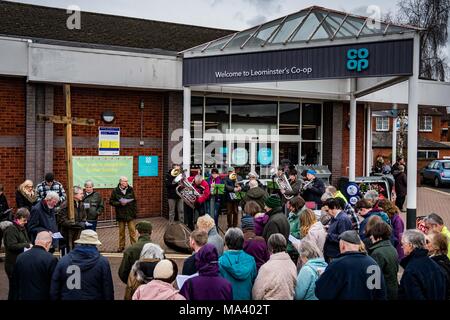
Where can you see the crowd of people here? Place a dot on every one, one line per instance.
(303, 242)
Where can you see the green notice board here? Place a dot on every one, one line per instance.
(103, 171)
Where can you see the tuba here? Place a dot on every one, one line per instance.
(186, 191)
(283, 184)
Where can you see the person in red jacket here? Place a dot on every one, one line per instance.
(202, 187)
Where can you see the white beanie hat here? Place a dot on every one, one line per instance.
(163, 270)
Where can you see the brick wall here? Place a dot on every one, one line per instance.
(90, 103)
(12, 132)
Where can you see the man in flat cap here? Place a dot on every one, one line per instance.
(132, 253)
(352, 275)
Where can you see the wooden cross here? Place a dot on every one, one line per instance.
(68, 120)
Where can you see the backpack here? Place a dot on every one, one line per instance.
(176, 237)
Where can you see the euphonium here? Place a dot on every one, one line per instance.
(175, 172)
(186, 191)
(283, 184)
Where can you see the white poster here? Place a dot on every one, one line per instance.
(108, 141)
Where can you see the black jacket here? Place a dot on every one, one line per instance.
(346, 278)
(127, 212)
(93, 205)
(278, 223)
(422, 278)
(314, 191)
(3, 204)
(24, 202)
(400, 184)
(259, 195)
(229, 189)
(170, 187)
(16, 240)
(444, 263)
(189, 267)
(33, 274)
(41, 219)
(95, 276)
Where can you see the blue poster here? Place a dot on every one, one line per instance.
(265, 156)
(148, 166)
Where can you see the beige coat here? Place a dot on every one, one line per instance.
(317, 235)
(276, 279)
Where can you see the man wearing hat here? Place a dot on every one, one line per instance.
(353, 275)
(83, 273)
(314, 189)
(132, 253)
(278, 222)
(232, 192)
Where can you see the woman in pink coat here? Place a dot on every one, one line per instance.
(161, 287)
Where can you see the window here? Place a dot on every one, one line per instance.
(428, 154)
(382, 123)
(426, 123)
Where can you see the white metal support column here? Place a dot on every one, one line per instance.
(413, 111)
(187, 129)
(368, 140)
(394, 135)
(352, 148)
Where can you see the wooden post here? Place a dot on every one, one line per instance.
(68, 138)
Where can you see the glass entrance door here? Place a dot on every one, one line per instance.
(252, 156)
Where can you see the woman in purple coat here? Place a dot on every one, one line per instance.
(208, 285)
(397, 224)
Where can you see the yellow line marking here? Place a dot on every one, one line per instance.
(438, 191)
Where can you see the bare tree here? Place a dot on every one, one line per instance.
(433, 16)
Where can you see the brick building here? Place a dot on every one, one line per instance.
(32, 40)
(122, 64)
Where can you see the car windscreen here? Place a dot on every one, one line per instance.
(446, 165)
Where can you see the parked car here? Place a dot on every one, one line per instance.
(437, 172)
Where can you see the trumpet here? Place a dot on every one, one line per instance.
(306, 185)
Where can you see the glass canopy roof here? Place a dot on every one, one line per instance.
(308, 25)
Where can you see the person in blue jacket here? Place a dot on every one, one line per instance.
(83, 274)
(422, 278)
(339, 223)
(313, 265)
(238, 267)
(352, 275)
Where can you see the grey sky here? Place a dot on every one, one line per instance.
(226, 14)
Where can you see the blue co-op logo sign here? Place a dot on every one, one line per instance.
(357, 59)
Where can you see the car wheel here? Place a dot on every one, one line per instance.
(436, 182)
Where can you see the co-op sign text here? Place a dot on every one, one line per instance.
(373, 59)
(258, 73)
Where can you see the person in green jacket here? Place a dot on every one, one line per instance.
(294, 206)
(93, 204)
(124, 200)
(336, 193)
(386, 256)
(16, 241)
(133, 253)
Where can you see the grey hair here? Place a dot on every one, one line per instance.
(22, 213)
(309, 250)
(327, 195)
(89, 182)
(152, 251)
(234, 239)
(77, 189)
(252, 184)
(434, 218)
(276, 243)
(414, 238)
(123, 178)
(371, 195)
(52, 195)
(198, 178)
